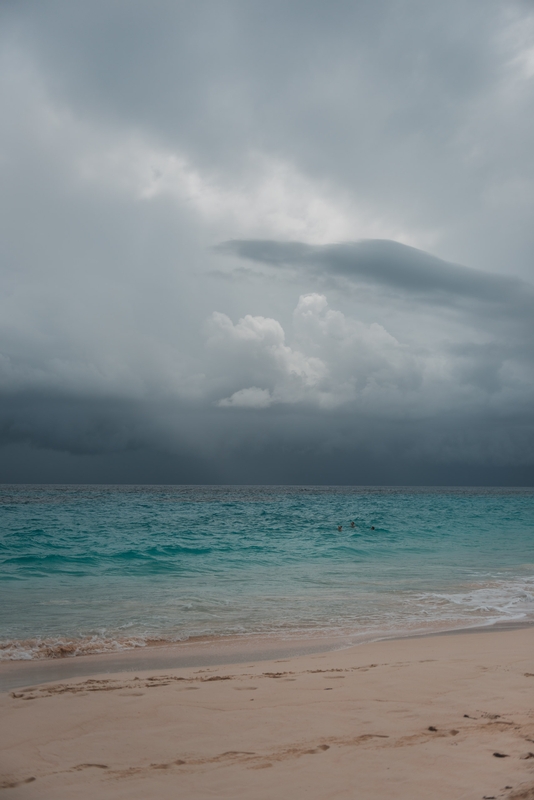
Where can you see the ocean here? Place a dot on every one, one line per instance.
(94, 569)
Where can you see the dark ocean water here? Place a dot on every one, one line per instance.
(99, 568)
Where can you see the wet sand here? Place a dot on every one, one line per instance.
(430, 717)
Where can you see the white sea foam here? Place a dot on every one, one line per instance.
(499, 601)
(65, 647)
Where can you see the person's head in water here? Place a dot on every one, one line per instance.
(372, 527)
(352, 524)
(340, 527)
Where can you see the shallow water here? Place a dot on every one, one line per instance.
(97, 568)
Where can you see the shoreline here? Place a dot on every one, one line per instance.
(205, 652)
(440, 716)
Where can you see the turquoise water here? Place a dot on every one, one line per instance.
(98, 568)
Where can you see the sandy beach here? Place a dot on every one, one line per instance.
(433, 717)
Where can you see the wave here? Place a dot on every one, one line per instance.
(498, 601)
(66, 647)
(352, 616)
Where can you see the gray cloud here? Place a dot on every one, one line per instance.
(333, 148)
(74, 442)
(419, 113)
(390, 264)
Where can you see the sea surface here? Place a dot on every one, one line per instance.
(87, 569)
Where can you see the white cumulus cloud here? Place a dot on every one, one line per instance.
(331, 359)
(247, 398)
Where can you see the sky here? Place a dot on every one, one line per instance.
(284, 242)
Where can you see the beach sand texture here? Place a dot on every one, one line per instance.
(436, 717)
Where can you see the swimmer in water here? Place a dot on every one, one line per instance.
(352, 524)
(340, 527)
(372, 527)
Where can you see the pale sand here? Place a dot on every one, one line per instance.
(355, 724)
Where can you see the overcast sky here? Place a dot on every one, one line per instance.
(267, 242)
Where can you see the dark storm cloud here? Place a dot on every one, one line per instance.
(390, 264)
(282, 446)
(136, 135)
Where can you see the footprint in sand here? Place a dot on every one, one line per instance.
(14, 784)
(89, 766)
(320, 749)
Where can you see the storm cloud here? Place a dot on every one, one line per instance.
(284, 242)
(389, 263)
